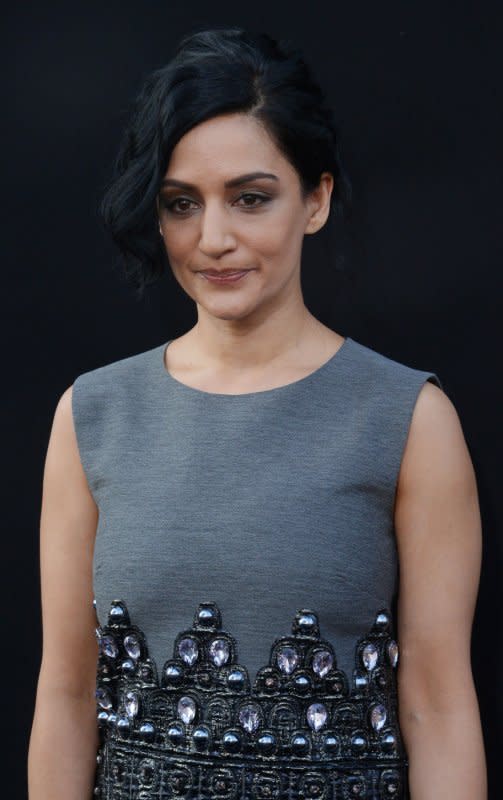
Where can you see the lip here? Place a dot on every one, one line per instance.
(224, 276)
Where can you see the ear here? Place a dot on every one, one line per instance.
(319, 203)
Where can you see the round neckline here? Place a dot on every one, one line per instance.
(300, 383)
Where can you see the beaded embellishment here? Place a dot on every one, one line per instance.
(304, 731)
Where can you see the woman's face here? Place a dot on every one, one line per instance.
(215, 215)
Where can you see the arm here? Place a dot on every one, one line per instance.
(64, 735)
(438, 529)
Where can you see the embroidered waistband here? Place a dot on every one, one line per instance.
(304, 730)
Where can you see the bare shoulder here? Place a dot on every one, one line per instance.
(436, 447)
(63, 457)
(62, 431)
(62, 424)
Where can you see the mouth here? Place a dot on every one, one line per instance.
(224, 275)
(228, 271)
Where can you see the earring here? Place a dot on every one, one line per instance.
(160, 229)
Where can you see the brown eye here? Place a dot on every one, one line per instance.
(181, 205)
(171, 205)
(253, 196)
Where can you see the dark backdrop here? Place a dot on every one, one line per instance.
(417, 92)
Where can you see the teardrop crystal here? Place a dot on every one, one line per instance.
(378, 716)
(186, 709)
(188, 650)
(131, 704)
(219, 651)
(103, 697)
(132, 646)
(316, 716)
(109, 646)
(287, 659)
(323, 662)
(249, 717)
(393, 653)
(369, 656)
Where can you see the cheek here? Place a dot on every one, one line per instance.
(179, 242)
(275, 236)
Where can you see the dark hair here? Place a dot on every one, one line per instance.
(214, 72)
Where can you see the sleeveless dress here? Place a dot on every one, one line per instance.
(245, 579)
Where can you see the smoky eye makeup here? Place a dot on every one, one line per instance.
(180, 205)
(170, 203)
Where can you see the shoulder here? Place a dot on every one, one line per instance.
(62, 431)
(436, 459)
(100, 392)
(387, 374)
(128, 367)
(436, 426)
(63, 465)
(102, 401)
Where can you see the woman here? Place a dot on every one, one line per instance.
(237, 501)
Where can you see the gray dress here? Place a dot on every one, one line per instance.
(245, 577)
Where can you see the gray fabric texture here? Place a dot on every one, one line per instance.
(265, 502)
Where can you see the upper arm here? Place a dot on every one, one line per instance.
(439, 542)
(68, 523)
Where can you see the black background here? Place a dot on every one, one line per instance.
(416, 89)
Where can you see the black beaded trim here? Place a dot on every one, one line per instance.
(303, 731)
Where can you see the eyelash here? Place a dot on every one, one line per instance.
(169, 205)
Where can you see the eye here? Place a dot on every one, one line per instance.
(262, 198)
(181, 205)
(170, 205)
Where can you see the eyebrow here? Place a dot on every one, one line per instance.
(250, 176)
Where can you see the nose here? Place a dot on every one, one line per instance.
(216, 235)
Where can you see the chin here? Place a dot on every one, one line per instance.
(228, 311)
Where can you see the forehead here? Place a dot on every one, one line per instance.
(225, 146)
